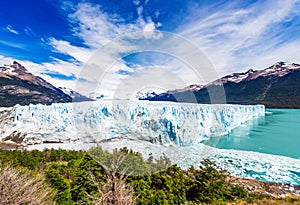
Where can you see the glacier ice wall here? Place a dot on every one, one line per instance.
(157, 122)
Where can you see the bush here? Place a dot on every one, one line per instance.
(17, 186)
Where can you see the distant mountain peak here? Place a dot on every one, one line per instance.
(279, 66)
(76, 97)
(144, 94)
(13, 69)
(19, 71)
(18, 67)
(278, 69)
(285, 64)
(18, 86)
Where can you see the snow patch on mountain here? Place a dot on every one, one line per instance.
(145, 94)
(14, 69)
(76, 97)
(279, 69)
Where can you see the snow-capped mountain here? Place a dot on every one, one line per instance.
(145, 94)
(276, 86)
(18, 86)
(76, 97)
(279, 69)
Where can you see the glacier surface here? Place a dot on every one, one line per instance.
(164, 123)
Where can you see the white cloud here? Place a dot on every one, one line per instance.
(136, 2)
(149, 30)
(235, 38)
(10, 29)
(29, 31)
(5, 60)
(288, 52)
(152, 76)
(97, 28)
(157, 13)
(176, 63)
(79, 53)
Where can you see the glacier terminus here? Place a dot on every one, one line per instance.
(165, 123)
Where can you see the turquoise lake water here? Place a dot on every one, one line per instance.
(278, 133)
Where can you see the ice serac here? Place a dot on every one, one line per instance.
(101, 121)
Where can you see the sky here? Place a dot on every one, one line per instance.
(118, 47)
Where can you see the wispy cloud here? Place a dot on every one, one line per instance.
(10, 29)
(29, 31)
(97, 28)
(136, 2)
(5, 60)
(236, 37)
(13, 44)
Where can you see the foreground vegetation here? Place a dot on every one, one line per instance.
(122, 177)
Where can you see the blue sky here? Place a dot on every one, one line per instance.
(55, 38)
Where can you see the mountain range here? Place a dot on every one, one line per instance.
(275, 87)
(18, 86)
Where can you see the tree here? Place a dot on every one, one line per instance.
(208, 184)
(57, 181)
(82, 188)
(17, 186)
(115, 191)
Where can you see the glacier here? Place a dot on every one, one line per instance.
(156, 128)
(165, 123)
